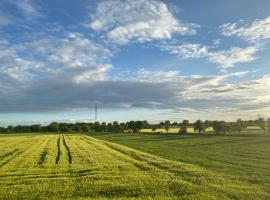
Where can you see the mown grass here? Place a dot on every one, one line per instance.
(244, 157)
(89, 168)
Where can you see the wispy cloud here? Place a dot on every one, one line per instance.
(223, 58)
(187, 50)
(233, 56)
(258, 30)
(137, 20)
(26, 7)
(5, 19)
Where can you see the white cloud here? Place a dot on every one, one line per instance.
(94, 74)
(224, 58)
(156, 76)
(137, 20)
(256, 31)
(77, 51)
(14, 66)
(73, 57)
(188, 50)
(233, 56)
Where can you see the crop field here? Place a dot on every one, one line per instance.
(244, 156)
(174, 130)
(208, 130)
(74, 166)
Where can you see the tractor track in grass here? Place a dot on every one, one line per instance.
(42, 157)
(12, 155)
(68, 150)
(8, 153)
(43, 154)
(106, 169)
(100, 147)
(178, 170)
(58, 151)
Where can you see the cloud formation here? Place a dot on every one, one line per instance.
(258, 30)
(137, 20)
(223, 58)
(47, 67)
(73, 57)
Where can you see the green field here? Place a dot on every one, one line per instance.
(77, 166)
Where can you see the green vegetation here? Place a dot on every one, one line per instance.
(56, 166)
(184, 127)
(244, 157)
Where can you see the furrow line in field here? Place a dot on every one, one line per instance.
(180, 170)
(139, 164)
(58, 151)
(17, 153)
(44, 153)
(10, 145)
(68, 150)
(42, 157)
(10, 153)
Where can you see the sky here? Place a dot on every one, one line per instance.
(149, 60)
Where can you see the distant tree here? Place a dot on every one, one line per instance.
(123, 127)
(208, 123)
(10, 129)
(237, 127)
(184, 127)
(241, 122)
(77, 128)
(175, 124)
(219, 126)
(262, 124)
(167, 125)
(227, 127)
(154, 128)
(109, 127)
(199, 126)
(97, 127)
(103, 126)
(145, 124)
(132, 126)
(138, 126)
(36, 128)
(85, 128)
(53, 127)
(161, 125)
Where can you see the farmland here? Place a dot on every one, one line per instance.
(76, 166)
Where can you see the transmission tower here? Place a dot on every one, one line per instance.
(96, 113)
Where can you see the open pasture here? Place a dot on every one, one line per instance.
(82, 167)
(244, 156)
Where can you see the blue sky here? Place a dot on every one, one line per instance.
(137, 59)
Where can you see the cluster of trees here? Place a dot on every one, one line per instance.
(218, 126)
(134, 126)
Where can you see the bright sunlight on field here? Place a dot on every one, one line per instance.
(78, 166)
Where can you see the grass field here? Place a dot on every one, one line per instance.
(83, 167)
(244, 157)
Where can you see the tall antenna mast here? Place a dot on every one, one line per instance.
(96, 113)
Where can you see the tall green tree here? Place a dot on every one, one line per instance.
(184, 127)
(167, 125)
(199, 126)
(219, 126)
(53, 127)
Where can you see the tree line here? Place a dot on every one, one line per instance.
(199, 126)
